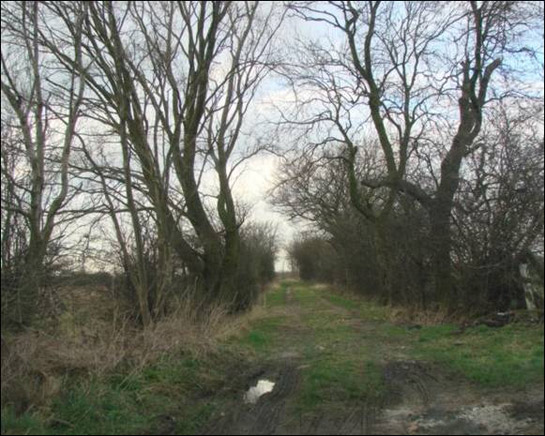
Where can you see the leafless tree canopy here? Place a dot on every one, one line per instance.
(413, 143)
(412, 97)
(151, 96)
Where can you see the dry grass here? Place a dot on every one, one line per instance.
(399, 314)
(93, 338)
(413, 315)
(35, 362)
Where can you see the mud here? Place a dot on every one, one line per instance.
(423, 400)
(419, 398)
(268, 413)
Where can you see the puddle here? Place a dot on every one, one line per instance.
(477, 420)
(262, 387)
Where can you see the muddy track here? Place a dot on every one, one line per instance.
(424, 399)
(418, 397)
(268, 413)
(409, 381)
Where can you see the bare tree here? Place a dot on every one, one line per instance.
(498, 213)
(45, 121)
(174, 81)
(419, 73)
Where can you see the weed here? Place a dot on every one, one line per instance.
(26, 423)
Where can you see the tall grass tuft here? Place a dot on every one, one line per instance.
(36, 363)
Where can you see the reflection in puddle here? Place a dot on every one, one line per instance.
(262, 387)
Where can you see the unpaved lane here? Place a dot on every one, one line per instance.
(338, 371)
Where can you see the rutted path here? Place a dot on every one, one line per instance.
(342, 368)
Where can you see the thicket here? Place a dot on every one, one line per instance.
(418, 137)
(497, 225)
(124, 124)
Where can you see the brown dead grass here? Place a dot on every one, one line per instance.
(92, 337)
(35, 362)
(404, 315)
(400, 315)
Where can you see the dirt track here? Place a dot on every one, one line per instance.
(414, 396)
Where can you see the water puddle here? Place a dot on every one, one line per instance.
(262, 387)
(477, 420)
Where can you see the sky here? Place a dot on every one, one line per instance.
(256, 179)
(254, 183)
(254, 186)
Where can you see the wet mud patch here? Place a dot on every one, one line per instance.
(268, 412)
(422, 399)
(341, 419)
(477, 419)
(533, 410)
(410, 382)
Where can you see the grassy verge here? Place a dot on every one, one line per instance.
(117, 379)
(179, 391)
(511, 356)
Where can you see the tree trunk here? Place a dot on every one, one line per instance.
(441, 263)
(440, 214)
(383, 263)
(32, 278)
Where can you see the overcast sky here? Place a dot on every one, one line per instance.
(256, 179)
